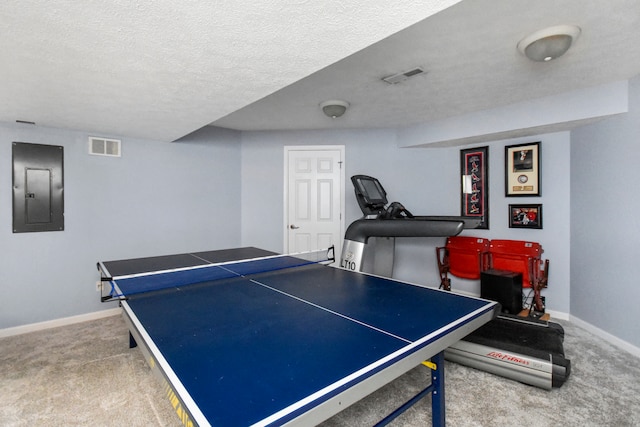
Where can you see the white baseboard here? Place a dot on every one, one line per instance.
(611, 339)
(33, 327)
(558, 315)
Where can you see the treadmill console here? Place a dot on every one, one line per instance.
(370, 194)
(372, 199)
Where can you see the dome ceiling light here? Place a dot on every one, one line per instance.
(549, 43)
(334, 108)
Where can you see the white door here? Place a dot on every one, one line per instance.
(314, 199)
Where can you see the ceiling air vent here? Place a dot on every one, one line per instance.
(104, 147)
(400, 77)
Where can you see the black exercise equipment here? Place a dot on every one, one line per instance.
(526, 350)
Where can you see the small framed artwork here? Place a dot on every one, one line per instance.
(474, 194)
(522, 170)
(525, 216)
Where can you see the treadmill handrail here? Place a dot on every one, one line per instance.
(360, 230)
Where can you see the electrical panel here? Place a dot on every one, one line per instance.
(38, 187)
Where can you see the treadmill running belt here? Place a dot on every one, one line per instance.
(536, 340)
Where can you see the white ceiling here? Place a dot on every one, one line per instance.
(163, 69)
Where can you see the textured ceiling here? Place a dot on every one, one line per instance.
(472, 63)
(163, 69)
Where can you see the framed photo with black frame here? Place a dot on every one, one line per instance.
(474, 194)
(522, 170)
(525, 216)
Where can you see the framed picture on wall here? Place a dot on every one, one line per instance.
(522, 170)
(525, 216)
(474, 194)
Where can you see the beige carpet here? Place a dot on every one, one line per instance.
(85, 375)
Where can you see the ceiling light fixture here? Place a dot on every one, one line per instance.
(334, 108)
(549, 43)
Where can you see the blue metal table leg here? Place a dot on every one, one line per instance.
(437, 394)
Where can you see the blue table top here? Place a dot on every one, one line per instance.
(246, 348)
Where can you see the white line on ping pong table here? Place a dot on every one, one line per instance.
(331, 311)
(210, 264)
(189, 268)
(345, 380)
(318, 306)
(202, 259)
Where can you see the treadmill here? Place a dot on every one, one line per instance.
(385, 223)
(523, 349)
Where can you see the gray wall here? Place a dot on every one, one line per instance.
(158, 198)
(605, 226)
(426, 181)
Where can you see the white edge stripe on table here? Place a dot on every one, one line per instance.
(361, 372)
(172, 378)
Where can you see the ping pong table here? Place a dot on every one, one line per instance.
(247, 337)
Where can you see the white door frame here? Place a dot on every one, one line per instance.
(285, 225)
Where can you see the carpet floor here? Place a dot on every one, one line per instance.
(85, 374)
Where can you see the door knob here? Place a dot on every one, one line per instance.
(293, 227)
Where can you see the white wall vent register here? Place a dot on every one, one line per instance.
(104, 147)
